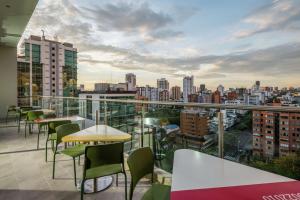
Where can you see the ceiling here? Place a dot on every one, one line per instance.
(14, 16)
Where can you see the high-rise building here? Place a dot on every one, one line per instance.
(275, 133)
(81, 88)
(194, 122)
(151, 93)
(216, 97)
(48, 68)
(202, 88)
(164, 95)
(188, 85)
(265, 133)
(205, 97)
(232, 95)
(162, 84)
(221, 89)
(175, 93)
(193, 98)
(101, 87)
(130, 79)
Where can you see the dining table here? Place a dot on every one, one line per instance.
(201, 176)
(49, 120)
(94, 135)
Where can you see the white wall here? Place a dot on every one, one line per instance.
(8, 78)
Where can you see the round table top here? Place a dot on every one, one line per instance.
(98, 133)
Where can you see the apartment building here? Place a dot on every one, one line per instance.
(188, 87)
(176, 93)
(275, 134)
(163, 84)
(265, 133)
(194, 122)
(164, 95)
(47, 68)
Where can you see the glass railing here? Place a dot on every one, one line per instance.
(265, 137)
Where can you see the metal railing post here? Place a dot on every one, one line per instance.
(220, 134)
(105, 112)
(97, 117)
(67, 107)
(142, 125)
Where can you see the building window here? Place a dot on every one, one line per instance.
(53, 60)
(53, 48)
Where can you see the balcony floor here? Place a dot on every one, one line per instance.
(26, 175)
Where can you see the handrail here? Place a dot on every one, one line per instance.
(183, 104)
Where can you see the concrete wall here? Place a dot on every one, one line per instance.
(8, 78)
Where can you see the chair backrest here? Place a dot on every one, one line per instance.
(140, 163)
(52, 125)
(11, 108)
(104, 154)
(64, 130)
(33, 115)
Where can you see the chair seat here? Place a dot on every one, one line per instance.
(74, 151)
(158, 192)
(53, 136)
(104, 170)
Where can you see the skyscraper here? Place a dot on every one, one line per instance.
(162, 84)
(48, 68)
(175, 93)
(220, 88)
(188, 85)
(202, 88)
(130, 79)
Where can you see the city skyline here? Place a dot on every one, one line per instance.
(257, 41)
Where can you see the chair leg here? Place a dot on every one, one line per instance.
(82, 189)
(25, 128)
(38, 137)
(46, 150)
(117, 180)
(53, 172)
(125, 185)
(74, 171)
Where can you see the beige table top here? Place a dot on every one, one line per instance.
(71, 118)
(98, 133)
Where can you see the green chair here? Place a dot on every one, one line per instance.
(51, 134)
(74, 151)
(30, 120)
(11, 111)
(141, 163)
(22, 114)
(103, 160)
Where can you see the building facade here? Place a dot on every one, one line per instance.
(194, 122)
(188, 85)
(176, 93)
(48, 68)
(130, 79)
(162, 84)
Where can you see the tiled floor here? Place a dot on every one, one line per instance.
(26, 175)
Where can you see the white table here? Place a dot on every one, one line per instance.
(193, 170)
(98, 133)
(49, 120)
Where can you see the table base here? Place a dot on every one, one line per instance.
(101, 184)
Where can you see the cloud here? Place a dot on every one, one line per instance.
(282, 60)
(127, 17)
(274, 16)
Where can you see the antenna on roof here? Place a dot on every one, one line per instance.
(43, 36)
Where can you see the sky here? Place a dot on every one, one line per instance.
(230, 42)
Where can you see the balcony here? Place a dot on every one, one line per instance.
(154, 124)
